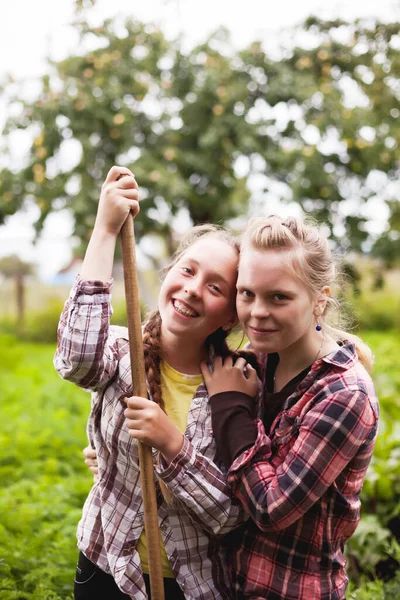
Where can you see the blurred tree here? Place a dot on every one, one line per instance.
(328, 120)
(387, 246)
(14, 268)
(321, 120)
(120, 104)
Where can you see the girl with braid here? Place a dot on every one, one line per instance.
(196, 311)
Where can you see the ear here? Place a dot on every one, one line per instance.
(321, 301)
(231, 323)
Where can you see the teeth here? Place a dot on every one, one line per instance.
(181, 308)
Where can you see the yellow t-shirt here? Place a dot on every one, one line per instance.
(177, 391)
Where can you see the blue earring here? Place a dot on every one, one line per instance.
(318, 327)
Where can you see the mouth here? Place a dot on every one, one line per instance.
(184, 309)
(262, 332)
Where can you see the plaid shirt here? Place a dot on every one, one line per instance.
(301, 483)
(96, 357)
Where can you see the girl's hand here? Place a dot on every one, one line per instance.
(91, 461)
(119, 196)
(149, 424)
(229, 377)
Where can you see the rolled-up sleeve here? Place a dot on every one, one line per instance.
(86, 349)
(332, 433)
(203, 490)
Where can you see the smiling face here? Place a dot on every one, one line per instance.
(275, 308)
(197, 296)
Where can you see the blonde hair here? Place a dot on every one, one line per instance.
(307, 252)
(152, 339)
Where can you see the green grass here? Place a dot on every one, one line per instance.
(44, 481)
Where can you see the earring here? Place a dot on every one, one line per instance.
(318, 327)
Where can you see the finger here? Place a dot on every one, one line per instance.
(251, 375)
(135, 209)
(129, 193)
(133, 424)
(132, 413)
(217, 363)
(126, 182)
(116, 172)
(138, 434)
(89, 452)
(137, 402)
(228, 361)
(205, 371)
(240, 364)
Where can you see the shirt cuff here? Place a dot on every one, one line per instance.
(92, 291)
(262, 445)
(176, 468)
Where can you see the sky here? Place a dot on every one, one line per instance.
(30, 31)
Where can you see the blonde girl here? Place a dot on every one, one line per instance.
(300, 471)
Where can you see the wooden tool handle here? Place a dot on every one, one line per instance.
(140, 389)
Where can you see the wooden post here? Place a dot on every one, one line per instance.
(140, 389)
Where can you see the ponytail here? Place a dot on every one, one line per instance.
(363, 351)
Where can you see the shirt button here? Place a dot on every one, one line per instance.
(197, 401)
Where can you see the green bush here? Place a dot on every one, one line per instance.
(376, 311)
(42, 475)
(371, 297)
(41, 326)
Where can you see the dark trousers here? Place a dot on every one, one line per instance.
(91, 583)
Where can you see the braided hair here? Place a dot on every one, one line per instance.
(152, 342)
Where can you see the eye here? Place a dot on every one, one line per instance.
(187, 270)
(247, 293)
(280, 297)
(215, 288)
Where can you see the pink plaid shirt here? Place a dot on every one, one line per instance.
(95, 356)
(300, 483)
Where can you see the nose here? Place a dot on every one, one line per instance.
(192, 288)
(260, 310)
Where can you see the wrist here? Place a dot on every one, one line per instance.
(102, 234)
(173, 447)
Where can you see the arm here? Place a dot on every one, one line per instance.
(335, 431)
(86, 352)
(188, 471)
(202, 488)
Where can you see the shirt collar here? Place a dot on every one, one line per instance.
(344, 358)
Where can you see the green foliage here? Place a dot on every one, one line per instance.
(181, 120)
(44, 480)
(375, 590)
(41, 325)
(377, 310)
(370, 295)
(42, 476)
